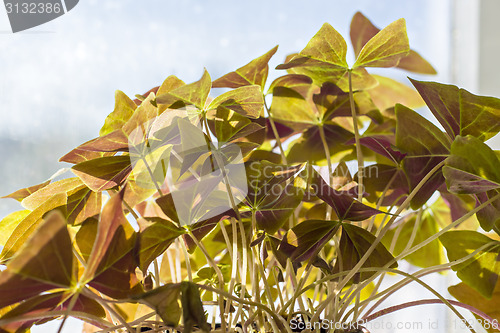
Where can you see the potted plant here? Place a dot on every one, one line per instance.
(239, 213)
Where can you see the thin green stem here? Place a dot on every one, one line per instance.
(330, 166)
(377, 240)
(359, 152)
(275, 133)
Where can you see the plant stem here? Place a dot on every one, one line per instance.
(429, 301)
(212, 264)
(359, 153)
(275, 132)
(330, 167)
(258, 305)
(377, 240)
(108, 307)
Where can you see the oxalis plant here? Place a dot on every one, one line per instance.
(239, 213)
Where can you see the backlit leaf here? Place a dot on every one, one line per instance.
(19, 195)
(389, 92)
(67, 186)
(309, 236)
(459, 111)
(324, 57)
(165, 300)
(27, 275)
(426, 146)
(29, 224)
(247, 101)
(309, 146)
(427, 256)
(468, 295)
(195, 93)
(354, 244)
(104, 173)
(472, 167)
(386, 48)
(255, 72)
(124, 108)
(480, 272)
(362, 30)
(113, 244)
(9, 223)
(155, 237)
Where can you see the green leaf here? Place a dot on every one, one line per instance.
(459, 111)
(229, 126)
(354, 244)
(111, 265)
(66, 186)
(195, 93)
(83, 204)
(192, 308)
(309, 146)
(427, 256)
(342, 202)
(9, 223)
(479, 115)
(104, 173)
(386, 48)
(44, 262)
(271, 193)
(247, 101)
(155, 237)
(389, 92)
(172, 82)
(255, 72)
(144, 115)
(328, 46)
(19, 195)
(415, 63)
(480, 272)
(165, 300)
(472, 167)
(444, 102)
(29, 224)
(426, 146)
(309, 236)
(124, 108)
(291, 102)
(324, 57)
(362, 30)
(469, 296)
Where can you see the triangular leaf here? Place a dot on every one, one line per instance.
(309, 236)
(426, 146)
(472, 167)
(165, 300)
(354, 244)
(247, 101)
(480, 272)
(29, 224)
(324, 57)
(255, 72)
(386, 48)
(195, 93)
(27, 274)
(104, 173)
(124, 108)
(155, 237)
(362, 30)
